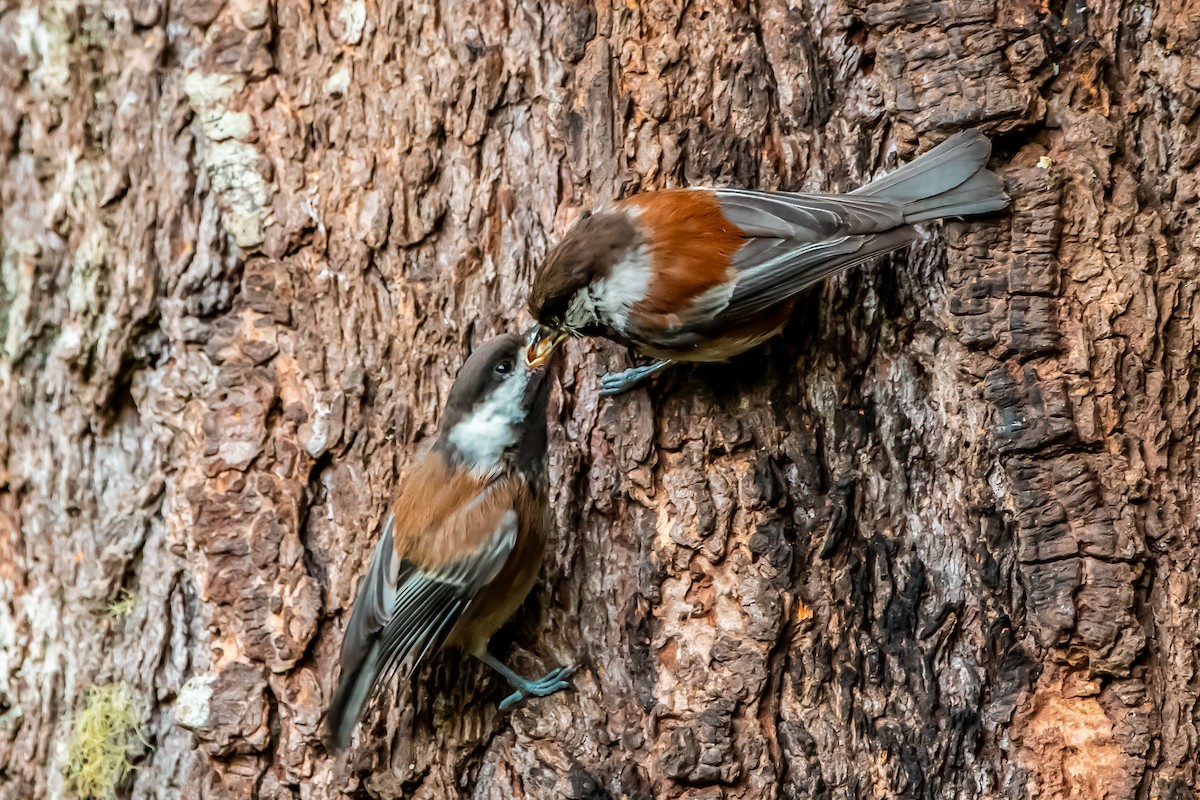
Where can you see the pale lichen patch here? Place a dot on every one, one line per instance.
(16, 295)
(211, 89)
(231, 163)
(84, 293)
(337, 83)
(88, 264)
(230, 125)
(43, 37)
(353, 16)
(192, 704)
(209, 95)
(252, 13)
(233, 169)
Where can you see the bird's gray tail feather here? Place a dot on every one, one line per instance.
(352, 695)
(951, 180)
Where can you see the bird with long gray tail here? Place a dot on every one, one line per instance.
(705, 274)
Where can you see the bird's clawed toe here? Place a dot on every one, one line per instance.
(551, 682)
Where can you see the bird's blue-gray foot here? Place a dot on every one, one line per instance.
(617, 382)
(553, 681)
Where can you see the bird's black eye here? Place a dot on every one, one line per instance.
(504, 367)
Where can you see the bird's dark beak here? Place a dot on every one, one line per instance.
(542, 345)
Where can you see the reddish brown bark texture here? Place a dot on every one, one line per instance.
(941, 539)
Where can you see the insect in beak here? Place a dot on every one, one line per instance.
(542, 345)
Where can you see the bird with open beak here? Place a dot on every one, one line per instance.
(705, 274)
(463, 542)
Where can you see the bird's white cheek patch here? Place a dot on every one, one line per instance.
(581, 313)
(626, 286)
(484, 435)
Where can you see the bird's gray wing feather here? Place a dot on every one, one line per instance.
(404, 612)
(770, 275)
(806, 218)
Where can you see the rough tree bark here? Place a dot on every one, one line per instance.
(939, 540)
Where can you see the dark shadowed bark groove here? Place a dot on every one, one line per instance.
(938, 540)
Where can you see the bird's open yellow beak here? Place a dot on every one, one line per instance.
(542, 345)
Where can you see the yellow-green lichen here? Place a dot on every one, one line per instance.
(104, 740)
(121, 607)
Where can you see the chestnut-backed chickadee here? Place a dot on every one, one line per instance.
(705, 274)
(463, 542)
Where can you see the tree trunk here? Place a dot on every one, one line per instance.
(940, 539)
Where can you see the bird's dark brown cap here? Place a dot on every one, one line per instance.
(586, 253)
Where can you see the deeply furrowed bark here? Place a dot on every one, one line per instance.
(940, 539)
